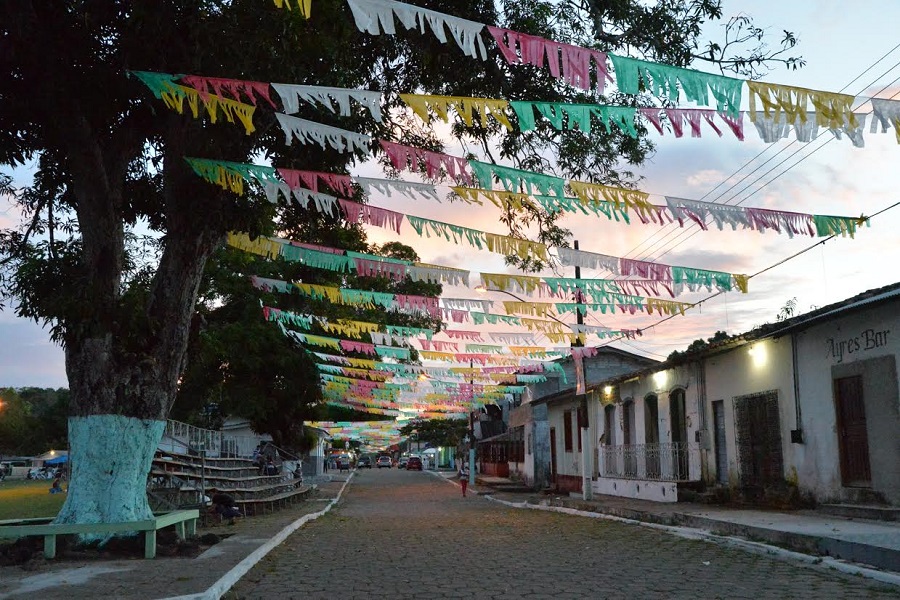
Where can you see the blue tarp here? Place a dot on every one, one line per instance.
(57, 461)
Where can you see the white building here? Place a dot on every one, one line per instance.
(810, 404)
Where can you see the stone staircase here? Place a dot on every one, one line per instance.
(176, 481)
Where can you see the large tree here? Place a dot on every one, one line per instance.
(109, 165)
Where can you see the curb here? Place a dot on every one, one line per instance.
(227, 581)
(819, 562)
(471, 490)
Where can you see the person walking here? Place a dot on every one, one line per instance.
(464, 478)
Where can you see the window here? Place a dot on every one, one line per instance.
(567, 430)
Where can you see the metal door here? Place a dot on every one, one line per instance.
(852, 435)
(721, 449)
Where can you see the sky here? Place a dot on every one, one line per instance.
(843, 48)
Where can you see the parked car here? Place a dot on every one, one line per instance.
(403, 461)
(385, 461)
(343, 463)
(364, 462)
(414, 464)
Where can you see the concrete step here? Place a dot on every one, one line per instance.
(862, 511)
(515, 488)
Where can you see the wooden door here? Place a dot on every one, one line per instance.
(651, 436)
(853, 437)
(721, 449)
(552, 455)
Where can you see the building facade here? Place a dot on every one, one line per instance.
(810, 404)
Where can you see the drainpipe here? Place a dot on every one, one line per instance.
(796, 434)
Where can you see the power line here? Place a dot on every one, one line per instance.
(769, 268)
(680, 232)
(693, 230)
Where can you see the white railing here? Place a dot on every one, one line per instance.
(196, 438)
(239, 446)
(652, 462)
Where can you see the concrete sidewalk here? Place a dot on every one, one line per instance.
(196, 578)
(872, 543)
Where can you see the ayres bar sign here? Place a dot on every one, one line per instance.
(867, 340)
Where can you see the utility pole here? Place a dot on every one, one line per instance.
(587, 451)
(471, 422)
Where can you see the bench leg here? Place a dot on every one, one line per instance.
(50, 546)
(179, 530)
(192, 527)
(150, 543)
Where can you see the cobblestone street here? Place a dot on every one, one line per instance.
(399, 534)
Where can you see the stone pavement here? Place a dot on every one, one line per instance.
(405, 534)
(401, 534)
(874, 543)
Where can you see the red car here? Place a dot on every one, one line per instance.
(414, 464)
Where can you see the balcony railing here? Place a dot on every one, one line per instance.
(652, 462)
(195, 438)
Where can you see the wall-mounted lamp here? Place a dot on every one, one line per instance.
(607, 391)
(660, 378)
(759, 355)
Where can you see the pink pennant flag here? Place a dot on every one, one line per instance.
(317, 248)
(354, 346)
(583, 351)
(355, 212)
(459, 334)
(503, 369)
(380, 268)
(459, 316)
(407, 157)
(652, 115)
(576, 61)
(629, 308)
(640, 268)
(216, 86)
(341, 184)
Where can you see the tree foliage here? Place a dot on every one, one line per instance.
(117, 229)
(699, 345)
(32, 420)
(436, 432)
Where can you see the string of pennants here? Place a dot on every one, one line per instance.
(598, 199)
(612, 202)
(603, 296)
(783, 107)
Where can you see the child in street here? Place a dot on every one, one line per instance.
(464, 478)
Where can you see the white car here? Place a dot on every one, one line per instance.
(384, 461)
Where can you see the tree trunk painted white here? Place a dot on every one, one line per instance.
(109, 461)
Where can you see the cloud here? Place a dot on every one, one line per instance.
(28, 357)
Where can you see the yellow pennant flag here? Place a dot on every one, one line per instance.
(833, 110)
(303, 6)
(535, 309)
(464, 106)
(666, 307)
(261, 245)
(592, 193)
(501, 281)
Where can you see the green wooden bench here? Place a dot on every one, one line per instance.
(185, 522)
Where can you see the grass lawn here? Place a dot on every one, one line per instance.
(24, 499)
